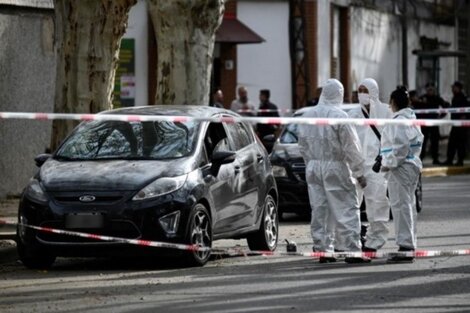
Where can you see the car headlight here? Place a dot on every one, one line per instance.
(34, 191)
(279, 171)
(170, 222)
(160, 187)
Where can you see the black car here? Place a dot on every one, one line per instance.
(181, 182)
(289, 171)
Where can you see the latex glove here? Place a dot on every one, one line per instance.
(362, 181)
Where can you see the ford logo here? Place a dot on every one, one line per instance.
(87, 198)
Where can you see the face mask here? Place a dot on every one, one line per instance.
(364, 98)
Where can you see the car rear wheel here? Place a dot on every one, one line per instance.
(34, 258)
(265, 238)
(200, 234)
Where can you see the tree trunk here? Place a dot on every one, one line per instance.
(185, 31)
(88, 35)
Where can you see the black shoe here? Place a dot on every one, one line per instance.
(402, 259)
(324, 259)
(357, 260)
(367, 249)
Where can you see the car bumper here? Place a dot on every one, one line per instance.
(127, 219)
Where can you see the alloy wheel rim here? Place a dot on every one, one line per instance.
(270, 223)
(200, 234)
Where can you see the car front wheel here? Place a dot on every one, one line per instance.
(34, 258)
(265, 238)
(199, 234)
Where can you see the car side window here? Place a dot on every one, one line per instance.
(216, 139)
(239, 136)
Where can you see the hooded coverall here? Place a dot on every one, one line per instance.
(401, 147)
(375, 193)
(333, 157)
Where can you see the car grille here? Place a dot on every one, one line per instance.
(69, 199)
(114, 228)
(99, 197)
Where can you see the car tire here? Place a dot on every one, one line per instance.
(34, 258)
(199, 233)
(266, 237)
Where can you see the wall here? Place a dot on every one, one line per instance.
(324, 46)
(376, 50)
(137, 29)
(266, 65)
(26, 85)
(448, 73)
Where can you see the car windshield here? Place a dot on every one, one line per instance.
(290, 134)
(103, 140)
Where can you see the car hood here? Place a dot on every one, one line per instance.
(286, 153)
(116, 175)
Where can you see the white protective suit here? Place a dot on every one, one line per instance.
(375, 194)
(401, 146)
(333, 157)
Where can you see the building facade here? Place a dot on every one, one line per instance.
(288, 46)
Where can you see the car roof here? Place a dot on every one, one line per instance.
(175, 110)
(345, 107)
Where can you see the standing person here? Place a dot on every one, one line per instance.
(242, 104)
(271, 111)
(333, 157)
(458, 135)
(375, 194)
(218, 99)
(431, 100)
(401, 146)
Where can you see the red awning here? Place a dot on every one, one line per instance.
(233, 31)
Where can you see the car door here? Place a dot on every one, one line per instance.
(246, 180)
(222, 184)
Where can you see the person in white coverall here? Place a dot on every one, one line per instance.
(333, 157)
(375, 194)
(401, 147)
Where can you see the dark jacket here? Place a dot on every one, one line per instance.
(459, 101)
(265, 129)
(430, 102)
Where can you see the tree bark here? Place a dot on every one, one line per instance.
(185, 31)
(88, 34)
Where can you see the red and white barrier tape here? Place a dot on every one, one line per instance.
(351, 106)
(243, 252)
(137, 242)
(229, 119)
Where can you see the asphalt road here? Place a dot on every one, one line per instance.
(271, 284)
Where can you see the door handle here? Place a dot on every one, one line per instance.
(260, 158)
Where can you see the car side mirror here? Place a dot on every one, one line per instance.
(269, 141)
(41, 159)
(219, 158)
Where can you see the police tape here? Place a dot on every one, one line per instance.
(244, 252)
(137, 242)
(232, 119)
(352, 106)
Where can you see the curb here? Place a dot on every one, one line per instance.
(445, 171)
